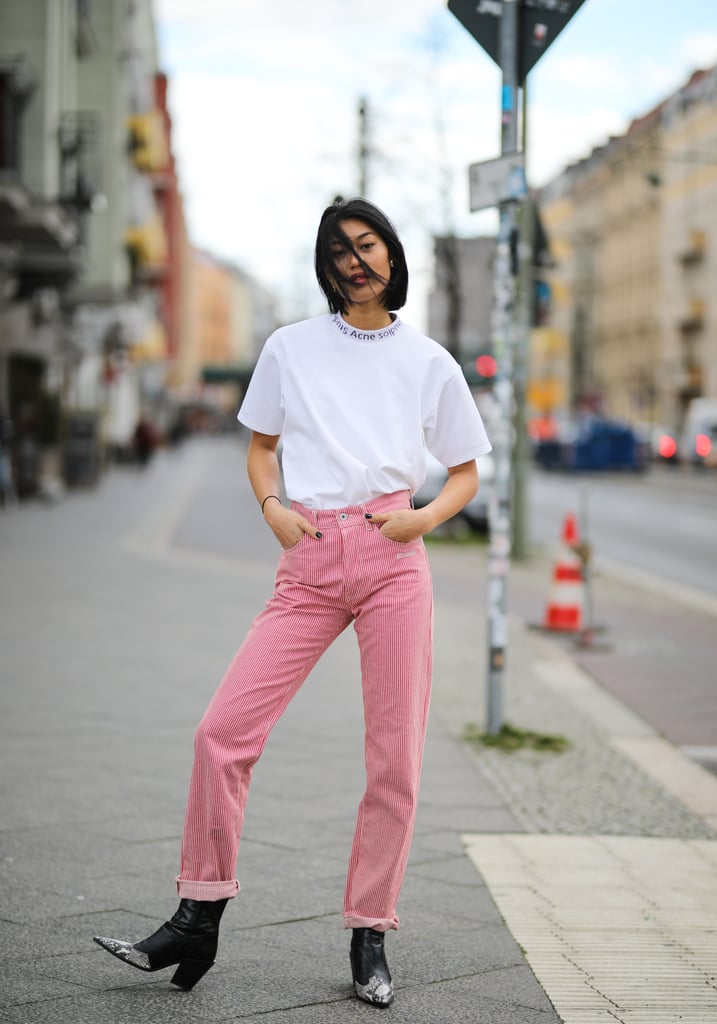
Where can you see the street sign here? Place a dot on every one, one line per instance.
(496, 181)
(540, 23)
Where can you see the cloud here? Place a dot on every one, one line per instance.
(283, 15)
(587, 73)
(558, 138)
(309, 35)
(699, 49)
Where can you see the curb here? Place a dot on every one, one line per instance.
(681, 593)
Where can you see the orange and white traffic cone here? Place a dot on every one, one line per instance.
(565, 605)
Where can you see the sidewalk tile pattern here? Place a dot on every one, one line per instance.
(615, 928)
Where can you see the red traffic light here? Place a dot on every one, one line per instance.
(486, 366)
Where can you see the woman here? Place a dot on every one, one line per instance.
(355, 396)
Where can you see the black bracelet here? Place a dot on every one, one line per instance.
(267, 498)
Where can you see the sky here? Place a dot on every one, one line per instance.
(264, 97)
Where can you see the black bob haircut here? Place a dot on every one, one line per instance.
(330, 233)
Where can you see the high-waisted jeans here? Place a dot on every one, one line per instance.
(351, 574)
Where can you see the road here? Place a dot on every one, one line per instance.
(663, 522)
(652, 591)
(650, 642)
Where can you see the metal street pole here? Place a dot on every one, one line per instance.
(521, 372)
(363, 147)
(503, 346)
(515, 34)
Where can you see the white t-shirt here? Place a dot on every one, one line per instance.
(356, 409)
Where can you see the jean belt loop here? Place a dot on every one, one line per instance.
(367, 522)
(309, 513)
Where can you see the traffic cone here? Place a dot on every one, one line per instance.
(565, 605)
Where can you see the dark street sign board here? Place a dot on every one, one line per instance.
(540, 21)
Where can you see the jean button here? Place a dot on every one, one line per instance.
(343, 515)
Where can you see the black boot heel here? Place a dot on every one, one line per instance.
(371, 976)
(189, 939)
(190, 972)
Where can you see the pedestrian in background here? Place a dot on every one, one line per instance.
(356, 396)
(7, 487)
(144, 441)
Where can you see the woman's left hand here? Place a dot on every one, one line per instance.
(403, 524)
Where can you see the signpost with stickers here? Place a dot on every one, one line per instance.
(515, 34)
(540, 22)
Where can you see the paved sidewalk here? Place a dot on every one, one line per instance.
(120, 610)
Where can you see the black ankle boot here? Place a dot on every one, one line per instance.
(372, 978)
(189, 939)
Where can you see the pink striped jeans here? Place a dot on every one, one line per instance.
(352, 574)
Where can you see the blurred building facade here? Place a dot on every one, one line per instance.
(230, 316)
(106, 312)
(633, 233)
(115, 309)
(688, 183)
(460, 301)
(174, 290)
(49, 164)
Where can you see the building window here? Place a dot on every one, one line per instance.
(85, 39)
(80, 172)
(16, 85)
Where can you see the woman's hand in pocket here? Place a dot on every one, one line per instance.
(402, 525)
(287, 525)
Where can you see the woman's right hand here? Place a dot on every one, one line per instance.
(287, 525)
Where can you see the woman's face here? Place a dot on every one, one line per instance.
(373, 251)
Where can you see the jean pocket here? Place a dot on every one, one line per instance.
(295, 547)
(402, 544)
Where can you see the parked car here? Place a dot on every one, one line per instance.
(593, 443)
(475, 514)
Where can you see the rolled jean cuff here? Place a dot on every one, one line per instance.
(379, 924)
(206, 891)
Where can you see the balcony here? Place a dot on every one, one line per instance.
(695, 250)
(148, 142)
(43, 238)
(693, 320)
(691, 383)
(152, 346)
(40, 236)
(148, 252)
